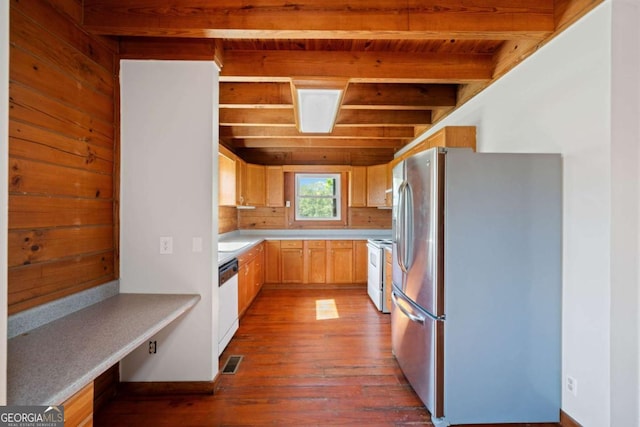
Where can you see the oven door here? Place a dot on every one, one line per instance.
(374, 275)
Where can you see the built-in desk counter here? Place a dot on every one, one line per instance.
(49, 364)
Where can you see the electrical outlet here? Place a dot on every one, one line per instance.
(572, 385)
(166, 245)
(153, 347)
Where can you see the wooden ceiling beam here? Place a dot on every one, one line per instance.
(382, 118)
(359, 67)
(377, 132)
(316, 142)
(399, 96)
(346, 118)
(357, 96)
(257, 117)
(248, 95)
(388, 19)
(172, 49)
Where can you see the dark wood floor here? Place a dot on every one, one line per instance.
(303, 365)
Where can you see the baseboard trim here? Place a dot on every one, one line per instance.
(567, 421)
(314, 286)
(167, 388)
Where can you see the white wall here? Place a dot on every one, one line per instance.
(561, 100)
(4, 173)
(168, 169)
(625, 171)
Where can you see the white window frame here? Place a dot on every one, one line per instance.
(337, 196)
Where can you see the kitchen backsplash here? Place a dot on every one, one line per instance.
(231, 219)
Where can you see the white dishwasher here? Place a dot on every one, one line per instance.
(227, 303)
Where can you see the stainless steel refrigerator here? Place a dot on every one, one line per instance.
(476, 316)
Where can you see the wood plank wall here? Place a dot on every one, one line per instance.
(63, 83)
(227, 219)
(276, 218)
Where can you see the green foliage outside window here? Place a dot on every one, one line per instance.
(317, 196)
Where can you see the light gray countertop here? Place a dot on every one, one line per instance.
(253, 237)
(49, 364)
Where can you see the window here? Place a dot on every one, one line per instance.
(317, 197)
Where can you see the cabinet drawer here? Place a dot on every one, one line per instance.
(291, 244)
(315, 244)
(244, 258)
(335, 244)
(250, 254)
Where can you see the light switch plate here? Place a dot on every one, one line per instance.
(196, 245)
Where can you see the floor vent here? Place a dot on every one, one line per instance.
(231, 367)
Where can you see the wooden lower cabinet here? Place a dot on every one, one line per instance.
(250, 276)
(78, 409)
(388, 279)
(360, 260)
(340, 261)
(292, 261)
(272, 262)
(315, 261)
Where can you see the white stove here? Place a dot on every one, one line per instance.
(375, 273)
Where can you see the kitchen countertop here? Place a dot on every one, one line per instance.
(49, 364)
(241, 241)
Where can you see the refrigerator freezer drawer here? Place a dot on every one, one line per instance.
(417, 346)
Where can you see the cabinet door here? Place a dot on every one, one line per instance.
(254, 185)
(241, 176)
(275, 186)
(272, 262)
(360, 259)
(292, 261)
(377, 185)
(388, 280)
(258, 273)
(358, 187)
(78, 409)
(340, 261)
(226, 181)
(315, 261)
(244, 284)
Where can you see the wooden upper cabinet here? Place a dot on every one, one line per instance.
(275, 186)
(226, 180)
(358, 187)
(241, 172)
(377, 184)
(254, 185)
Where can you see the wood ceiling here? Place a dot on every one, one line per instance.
(406, 64)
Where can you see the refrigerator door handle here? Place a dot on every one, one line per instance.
(411, 316)
(408, 228)
(400, 227)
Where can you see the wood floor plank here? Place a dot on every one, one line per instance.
(296, 371)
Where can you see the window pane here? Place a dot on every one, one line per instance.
(317, 197)
(310, 186)
(317, 208)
